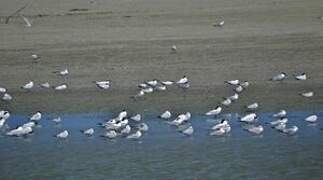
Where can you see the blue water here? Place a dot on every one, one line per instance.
(162, 153)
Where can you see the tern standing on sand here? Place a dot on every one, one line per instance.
(279, 77)
(28, 86)
(60, 87)
(102, 84)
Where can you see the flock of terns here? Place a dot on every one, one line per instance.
(132, 127)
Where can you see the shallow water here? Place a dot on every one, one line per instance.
(162, 153)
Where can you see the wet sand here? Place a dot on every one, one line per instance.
(128, 41)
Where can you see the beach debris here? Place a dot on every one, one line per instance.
(26, 20)
(78, 10)
(17, 12)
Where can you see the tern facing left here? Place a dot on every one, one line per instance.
(215, 111)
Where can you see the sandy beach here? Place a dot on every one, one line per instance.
(129, 41)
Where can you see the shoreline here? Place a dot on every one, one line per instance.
(270, 96)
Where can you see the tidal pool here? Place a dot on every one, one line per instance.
(162, 153)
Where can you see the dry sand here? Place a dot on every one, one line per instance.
(128, 41)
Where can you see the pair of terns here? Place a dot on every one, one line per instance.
(5, 96)
(282, 76)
